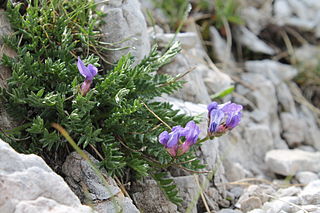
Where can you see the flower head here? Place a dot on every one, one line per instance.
(172, 141)
(223, 117)
(88, 72)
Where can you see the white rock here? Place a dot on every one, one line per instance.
(282, 9)
(290, 191)
(306, 177)
(274, 71)
(220, 47)
(26, 181)
(235, 171)
(311, 193)
(256, 18)
(290, 126)
(124, 20)
(289, 162)
(251, 41)
(45, 205)
(253, 197)
(257, 211)
(229, 211)
(282, 204)
(188, 40)
(285, 98)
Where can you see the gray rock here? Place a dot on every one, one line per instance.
(282, 204)
(285, 98)
(249, 204)
(118, 204)
(26, 182)
(290, 126)
(188, 40)
(91, 190)
(254, 197)
(256, 18)
(125, 22)
(235, 171)
(229, 211)
(306, 148)
(44, 205)
(188, 189)
(306, 177)
(311, 193)
(289, 162)
(194, 90)
(290, 191)
(247, 146)
(274, 71)
(257, 211)
(220, 47)
(252, 42)
(149, 198)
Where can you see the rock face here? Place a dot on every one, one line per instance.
(149, 198)
(27, 184)
(289, 162)
(125, 26)
(90, 189)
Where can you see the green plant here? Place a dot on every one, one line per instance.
(115, 119)
(174, 10)
(226, 10)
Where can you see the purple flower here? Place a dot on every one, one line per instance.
(88, 72)
(223, 117)
(172, 141)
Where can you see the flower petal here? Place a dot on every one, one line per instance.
(216, 117)
(212, 105)
(163, 138)
(192, 132)
(83, 69)
(93, 70)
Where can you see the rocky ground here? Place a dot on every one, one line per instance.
(269, 164)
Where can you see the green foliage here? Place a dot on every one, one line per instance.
(226, 10)
(112, 118)
(174, 10)
(168, 187)
(223, 93)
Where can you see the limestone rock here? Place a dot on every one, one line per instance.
(254, 197)
(283, 204)
(26, 182)
(306, 177)
(251, 41)
(91, 190)
(126, 26)
(290, 125)
(149, 198)
(188, 188)
(274, 71)
(229, 211)
(289, 162)
(311, 193)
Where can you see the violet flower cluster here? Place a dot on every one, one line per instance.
(173, 141)
(222, 118)
(88, 72)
